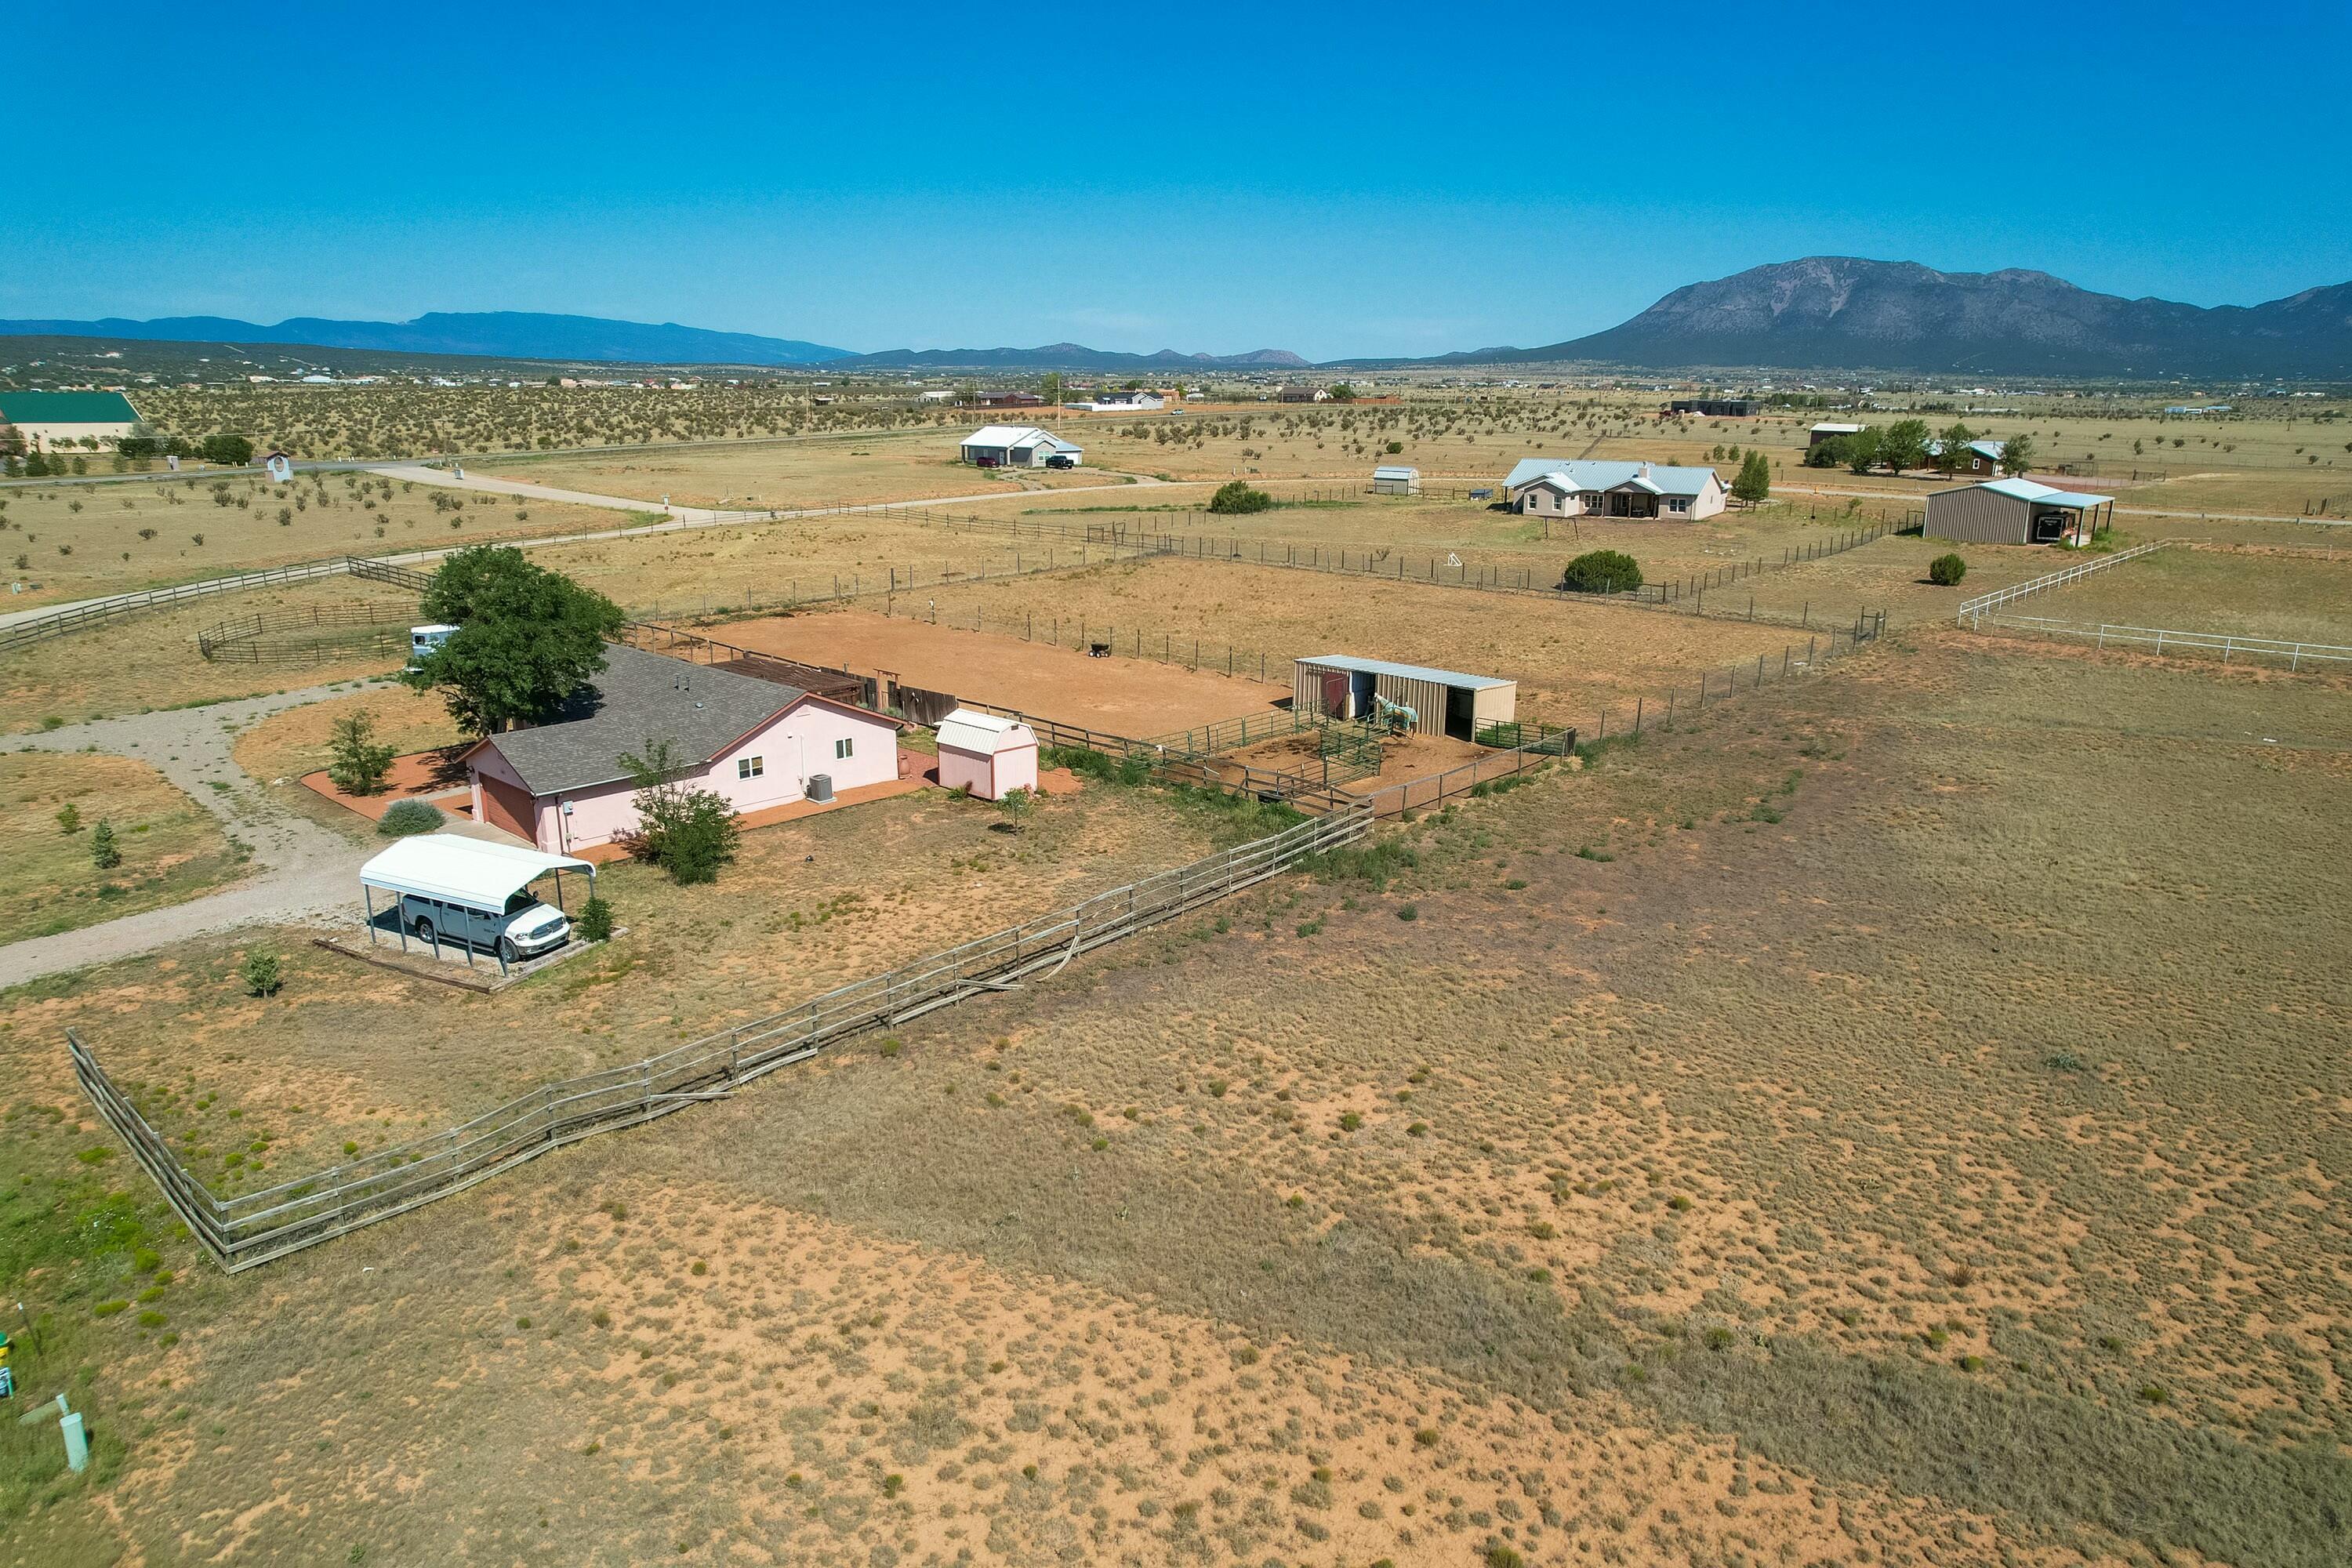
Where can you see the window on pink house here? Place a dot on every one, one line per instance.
(842, 748)
(750, 767)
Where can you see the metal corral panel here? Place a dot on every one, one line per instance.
(1979, 515)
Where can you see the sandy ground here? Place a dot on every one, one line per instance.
(1125, 695)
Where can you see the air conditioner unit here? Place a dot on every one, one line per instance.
(820, 788)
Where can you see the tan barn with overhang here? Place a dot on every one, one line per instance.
(2016, 511)
(1443, 701)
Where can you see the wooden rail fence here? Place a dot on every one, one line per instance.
(253, 1228)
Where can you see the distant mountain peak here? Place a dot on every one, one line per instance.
(500, 334)
(1848, 313)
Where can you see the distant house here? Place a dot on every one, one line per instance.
(1551, 486)
(1828, 431)
(1017, 446)
(1128, 402)
(1714, 407)
(49, 421)
(1301, 395)
(939, 394)
(1010, 400)
(757, 743)
(2016, 511)
(1982, 457)
(1396, 479)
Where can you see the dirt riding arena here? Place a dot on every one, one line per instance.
(1125, 695)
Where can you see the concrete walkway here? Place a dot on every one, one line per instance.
(299, 868)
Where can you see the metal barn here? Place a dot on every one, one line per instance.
(2016, 512)
(1396, 480)
(1443, 701)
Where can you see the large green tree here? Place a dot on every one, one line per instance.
(1755, 481)
(1861, 449)
(526, 640)
(1952, 452)
(1904, 444)
(2017, 453)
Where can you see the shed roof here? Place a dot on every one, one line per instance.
(1575, 474)
(2035, 492)
(969, 729)
(470, 871)
(66, 408)
(640, 698)
(1405, 671)
(1017, 436)
(1395, 471)
(1834, 428)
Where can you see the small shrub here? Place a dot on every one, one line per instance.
(104, 852)
(1238, 496)
(1427, 1437)
(892, 1046)
(1349, 1121)
(1409, 912)
(68, 815)
(1946, 570)
(1601, 572)
(595, 921)
(405, 818)
(263, 973)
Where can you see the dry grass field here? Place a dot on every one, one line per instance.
(70, 542)
(150, 660)
(350, 1052)
(173, 849)
(2244, 593)
(1567, 657)
(1832, 1132)
(901, 466)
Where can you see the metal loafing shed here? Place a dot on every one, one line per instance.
(1443, 701)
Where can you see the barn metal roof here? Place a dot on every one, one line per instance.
(2039, 494)
(66, 408)
(1405, 671)
(1575, 474)
(970, 731)
(1395, 471)
(473, 873)
(1017, 436)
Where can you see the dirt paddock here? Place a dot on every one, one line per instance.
(1125, 695)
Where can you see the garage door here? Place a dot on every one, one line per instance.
(509, 807)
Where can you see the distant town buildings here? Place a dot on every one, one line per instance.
(1714, 407)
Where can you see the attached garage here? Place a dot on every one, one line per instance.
(1441, 701)
(2016, 511)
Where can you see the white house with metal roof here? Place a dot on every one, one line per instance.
(1558, 487)
(2016, 511)
(1016, 447)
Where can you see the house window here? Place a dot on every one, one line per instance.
(842, 748)
(750, 767)
(1677, 504)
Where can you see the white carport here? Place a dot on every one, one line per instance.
(456, 870)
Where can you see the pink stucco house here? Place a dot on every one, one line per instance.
(562, 785)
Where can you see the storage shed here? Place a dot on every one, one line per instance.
(990, 756)
(2016, 511)
(1396, 480)
(1443, 701)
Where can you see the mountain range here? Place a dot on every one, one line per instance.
(1819, 313)
(491, 334)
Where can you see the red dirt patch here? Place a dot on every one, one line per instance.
(1125, 695)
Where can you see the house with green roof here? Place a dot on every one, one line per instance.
(51, 421)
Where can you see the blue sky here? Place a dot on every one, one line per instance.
(1335, 180)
